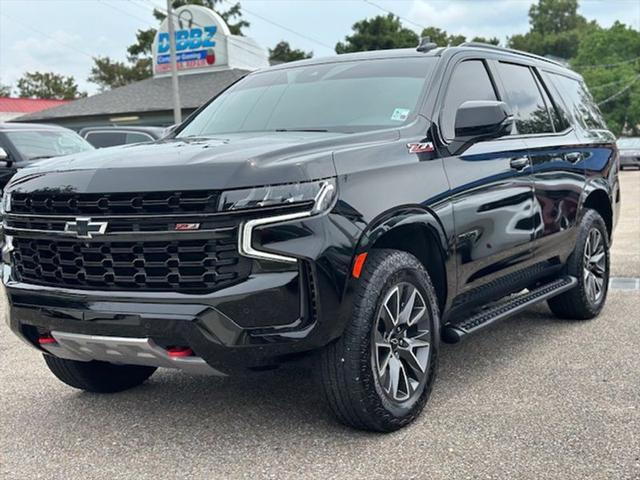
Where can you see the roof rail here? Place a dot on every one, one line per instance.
(489, 46)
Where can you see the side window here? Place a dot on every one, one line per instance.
(135, 137)
(558, 116)
(105, 139)
(525, 99)
(579, 101)
(469, 81)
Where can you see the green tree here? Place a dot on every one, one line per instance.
(490, 41)
(556, 29)
(378, 33)
(608, 60)
(108, 73)
(283, 53)
(5, 90)
(436, 35)
(442, 38)
(48, 85)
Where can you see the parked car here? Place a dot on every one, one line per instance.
(363, 207)
(629, 148)
(109, 136)
(24, 143)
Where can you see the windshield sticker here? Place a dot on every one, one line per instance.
(400, 114)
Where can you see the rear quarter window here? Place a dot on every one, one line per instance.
(578, 101)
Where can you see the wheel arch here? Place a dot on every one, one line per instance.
(598, 198)
(417, 231)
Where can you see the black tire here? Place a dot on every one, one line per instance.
(578, 303)
(349, 374)
(98, 377)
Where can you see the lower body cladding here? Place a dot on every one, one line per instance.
(265, 319)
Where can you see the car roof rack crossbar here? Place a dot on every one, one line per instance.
(489, 46)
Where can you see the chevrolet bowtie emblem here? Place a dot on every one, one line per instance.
(83, 227)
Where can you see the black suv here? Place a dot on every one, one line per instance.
(363, 207)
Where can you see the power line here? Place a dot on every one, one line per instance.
(290, 30)
(607, 65)
(616, 82)
(392, 13)
(128, 14)
(40, 32)
(617, 94)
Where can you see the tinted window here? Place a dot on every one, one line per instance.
(105, 139)
(341, 96)
(33, 144)
(525, 99)
(558, 116)
(470, 81)
(134, 137)
(579, 102)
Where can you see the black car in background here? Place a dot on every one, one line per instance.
(629, 148)
(110, 136)
(24, 143)
(362, 208)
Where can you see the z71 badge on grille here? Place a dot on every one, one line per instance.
(83, 227)
(187, 226)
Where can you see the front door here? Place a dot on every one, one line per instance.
(491, 190)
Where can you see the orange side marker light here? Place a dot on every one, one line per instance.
(358, 264)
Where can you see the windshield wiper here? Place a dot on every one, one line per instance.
(41, 157)
(301, 130)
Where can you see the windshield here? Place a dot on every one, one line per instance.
(344, 97)
(629, 142)
(34, 144)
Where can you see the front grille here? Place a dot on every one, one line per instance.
(154, 203)
(181, 265)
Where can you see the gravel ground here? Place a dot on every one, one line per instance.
(532, 397)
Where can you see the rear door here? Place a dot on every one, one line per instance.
(558, 168)
(491, 189)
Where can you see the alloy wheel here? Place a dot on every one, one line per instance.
(594, 266)
(402, 342)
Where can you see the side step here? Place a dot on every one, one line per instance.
(454, 332)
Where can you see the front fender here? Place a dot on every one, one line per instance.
(408, 215)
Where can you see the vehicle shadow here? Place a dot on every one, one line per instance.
(277, 406)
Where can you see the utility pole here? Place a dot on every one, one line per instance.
(177, 113)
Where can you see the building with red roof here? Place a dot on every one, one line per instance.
(15, 107)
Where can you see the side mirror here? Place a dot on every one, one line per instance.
(482, 120)
(4, 157)
(169, 130)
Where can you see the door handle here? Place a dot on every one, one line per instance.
(519, 163)
(573, 157)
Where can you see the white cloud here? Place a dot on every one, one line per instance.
(55, 53)
(486, 18)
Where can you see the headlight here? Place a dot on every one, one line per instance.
(320, 194)
(5, 205)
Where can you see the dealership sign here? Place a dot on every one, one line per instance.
(204, 42)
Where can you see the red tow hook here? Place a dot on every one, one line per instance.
(179, 352)
(46, 339)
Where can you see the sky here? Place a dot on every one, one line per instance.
(63, 35)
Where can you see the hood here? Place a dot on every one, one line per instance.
(233, 161)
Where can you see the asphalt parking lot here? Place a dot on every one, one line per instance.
(533, 397)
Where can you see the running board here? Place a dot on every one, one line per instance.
(454, 332)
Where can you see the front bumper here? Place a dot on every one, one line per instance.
(263, 320)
